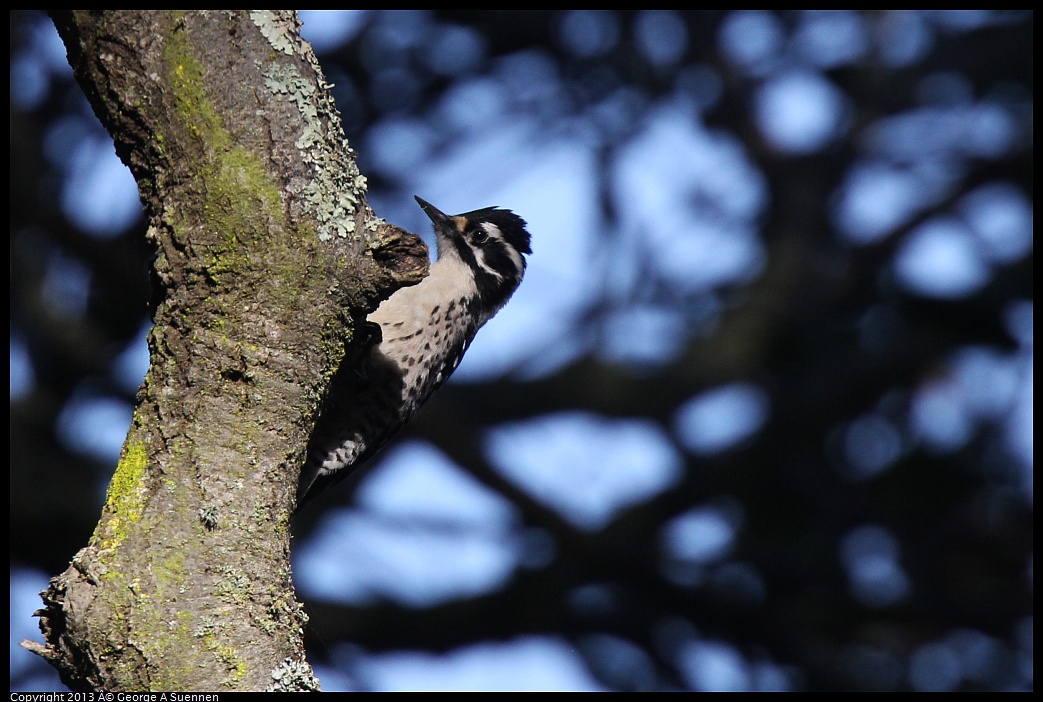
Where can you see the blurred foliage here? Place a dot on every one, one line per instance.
(911, 570)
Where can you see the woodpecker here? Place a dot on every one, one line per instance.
(424, 331)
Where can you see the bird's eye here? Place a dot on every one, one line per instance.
(479, 237)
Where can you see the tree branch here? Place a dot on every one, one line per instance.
(266, 254)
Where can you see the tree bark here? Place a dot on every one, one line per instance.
(267, 258)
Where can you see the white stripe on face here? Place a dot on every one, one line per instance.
(494, 233)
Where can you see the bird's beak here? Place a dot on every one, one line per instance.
(441, 220)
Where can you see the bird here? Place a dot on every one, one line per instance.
(421, 334)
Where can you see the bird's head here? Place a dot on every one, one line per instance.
(490, 242)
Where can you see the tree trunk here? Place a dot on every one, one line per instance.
(267, 256)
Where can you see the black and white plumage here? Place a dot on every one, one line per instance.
(425, 330)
